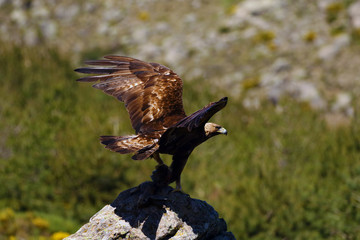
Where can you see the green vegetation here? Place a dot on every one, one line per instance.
(275, 176)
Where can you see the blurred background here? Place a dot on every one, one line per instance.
(289, 168)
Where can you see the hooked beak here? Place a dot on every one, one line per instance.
(222, 131)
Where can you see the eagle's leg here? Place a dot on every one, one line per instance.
(157, 158)
(178, 186)
(176, 168)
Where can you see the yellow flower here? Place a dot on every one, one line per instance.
(309, 36)
(264, 36)
(249, 83)
(6, 214)
(231, 10)
(143, 15)
(40, 223)
(59, 235)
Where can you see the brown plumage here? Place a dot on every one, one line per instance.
(152, 94)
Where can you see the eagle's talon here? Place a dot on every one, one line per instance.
(179, 191)
(178, 187)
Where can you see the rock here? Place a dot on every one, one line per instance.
(354, 12)
(250, 11)
(305, 91)
(343, 101)
(328, 52)
(343, 105)
(251, 103)
(19, 16)
(152, 211)
(260, 6)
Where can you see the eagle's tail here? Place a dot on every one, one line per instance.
(142, 146)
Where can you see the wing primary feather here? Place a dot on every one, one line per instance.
(95, 78)
(119, 58)
(105, 62)
(98, 70)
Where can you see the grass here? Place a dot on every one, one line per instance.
(275, 176)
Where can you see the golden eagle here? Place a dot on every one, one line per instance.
(152, 94)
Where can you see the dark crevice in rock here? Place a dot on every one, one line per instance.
(170, 234)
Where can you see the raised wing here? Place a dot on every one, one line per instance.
(151, 92)
(187, 124)
(201, 116)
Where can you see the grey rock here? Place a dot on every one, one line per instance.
(250, 12)
(153, 211)
(305, 91)
(329, 51)
(19, 16)
(343, 101)
(354, 12)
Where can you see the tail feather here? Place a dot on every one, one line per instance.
(143, 146)
(145, 152)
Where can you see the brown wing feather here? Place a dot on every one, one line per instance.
(144, 146)
(152, 93)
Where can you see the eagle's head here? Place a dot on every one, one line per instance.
(213, 129)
